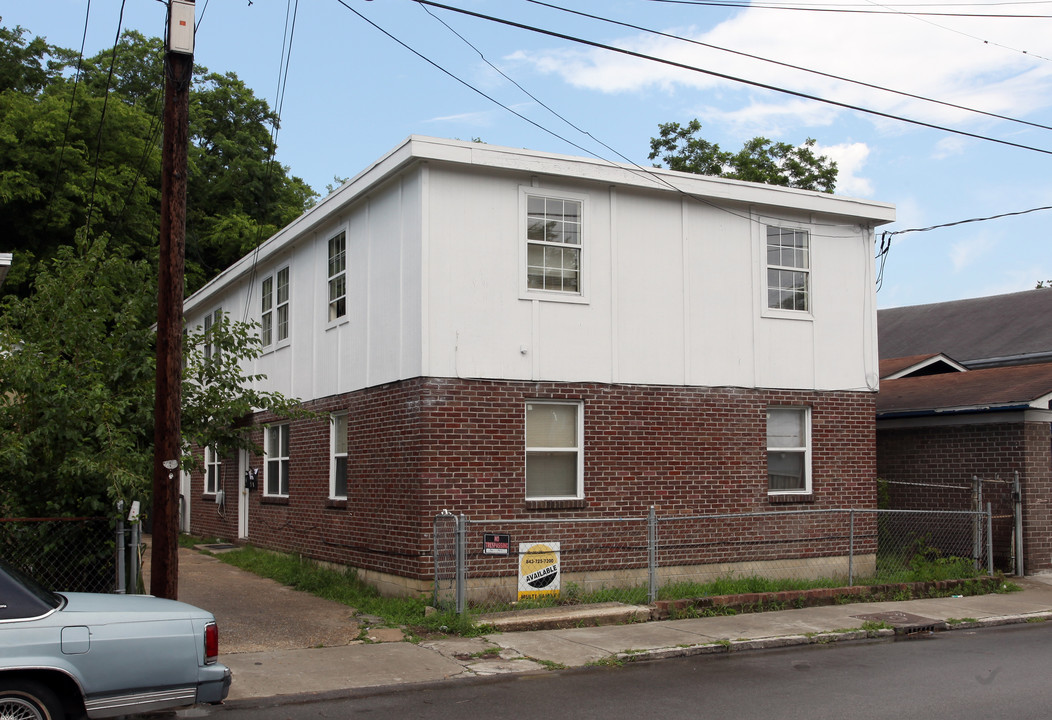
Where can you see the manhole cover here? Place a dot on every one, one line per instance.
(218, 547)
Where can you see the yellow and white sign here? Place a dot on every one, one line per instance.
(538, 569)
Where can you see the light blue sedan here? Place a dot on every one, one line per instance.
(71, 655)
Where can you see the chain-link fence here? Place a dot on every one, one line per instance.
(494, 565)
(1001, 494)
(73, 554)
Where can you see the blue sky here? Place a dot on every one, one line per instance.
(351, 93)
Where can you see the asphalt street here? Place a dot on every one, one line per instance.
(980, 674)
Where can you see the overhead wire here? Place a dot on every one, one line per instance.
(69, 118)
(725, 76)
(288, 35)
(789, 65)
(102, 123)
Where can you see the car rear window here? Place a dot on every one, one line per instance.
(22, 597)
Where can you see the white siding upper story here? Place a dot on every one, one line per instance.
(664, 279)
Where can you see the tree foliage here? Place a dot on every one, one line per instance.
(65, 164)
(760, 160)
(77, 378)
(79, 204)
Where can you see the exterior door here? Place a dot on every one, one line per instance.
(242, 495)
(184, 501)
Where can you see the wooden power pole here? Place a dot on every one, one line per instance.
(179, 67)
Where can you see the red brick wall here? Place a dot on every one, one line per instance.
(939, 463)
(419, 447)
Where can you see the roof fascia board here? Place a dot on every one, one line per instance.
(991, 418)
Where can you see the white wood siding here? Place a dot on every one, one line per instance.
(674, 289)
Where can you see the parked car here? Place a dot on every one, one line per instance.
(67, 655)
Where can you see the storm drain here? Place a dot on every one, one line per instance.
(906, 624)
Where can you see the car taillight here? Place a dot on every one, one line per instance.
(211, 643)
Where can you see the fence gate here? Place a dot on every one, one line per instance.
(449, 562)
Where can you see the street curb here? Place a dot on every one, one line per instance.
(823, 638)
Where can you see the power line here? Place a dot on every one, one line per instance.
(803, 8)
(724, 76)
(789, 65)
(964, 222)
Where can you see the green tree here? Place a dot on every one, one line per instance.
(760, 160)
(61, 164)
(77, 378)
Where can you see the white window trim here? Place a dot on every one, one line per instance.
(807, 451)
(333, 455)
(527, 293)
(210, 319)
(267, 458)
(761, 224)
(579, 495)
(212, 460)
(340, 319)
(276, 342)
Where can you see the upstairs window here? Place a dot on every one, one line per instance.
(276, 482)
(553, 244)
(788, 269)
(337, 276)
(788, 450)
(274, 308)
(211, 320)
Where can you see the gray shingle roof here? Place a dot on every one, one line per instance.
(979, 332)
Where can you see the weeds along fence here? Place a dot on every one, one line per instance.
(493, 565)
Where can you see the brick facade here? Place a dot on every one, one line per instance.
(932, 468)
(421, 446)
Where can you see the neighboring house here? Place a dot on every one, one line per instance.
(5, 266)
(513, 334)
(971, 400)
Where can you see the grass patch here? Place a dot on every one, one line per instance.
(344, 586)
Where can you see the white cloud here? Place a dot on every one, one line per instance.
(849, 158)
(967, 61)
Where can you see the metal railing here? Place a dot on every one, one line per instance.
(492, 565)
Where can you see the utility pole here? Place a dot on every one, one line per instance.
(178, 71)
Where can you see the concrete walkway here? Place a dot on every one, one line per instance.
(282, 644)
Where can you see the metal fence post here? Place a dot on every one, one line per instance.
(989, 538)
(851, 550)
(652, 555)
(977, 522)
(120, 577)
(461, 562)
(1017, 498)
(135, 569)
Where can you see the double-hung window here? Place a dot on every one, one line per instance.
(213, 467)
(338, 456)
(788, 269)
(276, 482)
(553, 244)
(274, 308)
(337, 274)
(788, 450)
(554, 450)
(211, 320)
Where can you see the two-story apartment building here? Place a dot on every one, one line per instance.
(517, 334)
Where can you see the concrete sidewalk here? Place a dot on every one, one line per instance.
(282, 644)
